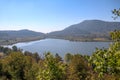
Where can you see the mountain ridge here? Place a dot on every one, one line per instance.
(14, 36)
(89, 29)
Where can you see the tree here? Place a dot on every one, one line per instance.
(16, 66)
(14, 48)
(30, 69)
(107, 61)
(68, 58)
(78, 68)
(50, 69)
(13, 65)
(36, 57)
(116, 13)
(5, 50)
(58, 58)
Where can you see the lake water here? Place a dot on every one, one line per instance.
(61, 46)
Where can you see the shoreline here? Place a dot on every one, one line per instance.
(30, 40)
(83, 40)
(19, 41)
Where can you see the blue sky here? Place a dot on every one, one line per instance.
(51, 15)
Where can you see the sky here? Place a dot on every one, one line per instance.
(53, 15)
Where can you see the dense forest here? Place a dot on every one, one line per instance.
(103, 64)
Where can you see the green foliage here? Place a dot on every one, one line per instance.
(68, 57)
(33, 55)
(13, 64)
(58, 58)
(51, 69)
(30, 69)
(5, 50)
(14, 48)
(107, 61)
(116, 13)
(78, 68)
(115, 35)
(16, 66)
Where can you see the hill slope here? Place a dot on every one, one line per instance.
(9, 37)
(88, 30)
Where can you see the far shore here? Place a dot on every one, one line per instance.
(11, 42)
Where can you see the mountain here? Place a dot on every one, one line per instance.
(11, 36)
(87, 30)
(20, 33)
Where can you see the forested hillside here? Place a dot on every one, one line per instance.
(10, 37)
(88, 30)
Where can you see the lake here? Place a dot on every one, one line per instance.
(61, 46)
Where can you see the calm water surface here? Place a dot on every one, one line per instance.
(61, 46)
